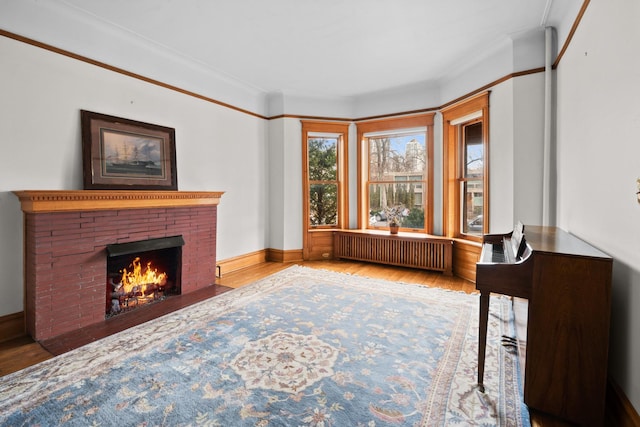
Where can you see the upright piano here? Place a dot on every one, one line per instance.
(565, 286)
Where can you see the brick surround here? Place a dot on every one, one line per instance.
(66, 263)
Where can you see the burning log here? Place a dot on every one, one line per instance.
(150, 290)
(134, 286)
(116, 296)
(139, 280)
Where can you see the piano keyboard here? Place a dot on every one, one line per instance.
(497, 253)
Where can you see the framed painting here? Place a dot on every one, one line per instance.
(123, 154)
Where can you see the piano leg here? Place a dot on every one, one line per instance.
(482, 336)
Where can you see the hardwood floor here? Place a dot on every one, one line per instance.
(19, 353)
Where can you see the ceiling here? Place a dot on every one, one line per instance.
(337, 48)
(310, 48)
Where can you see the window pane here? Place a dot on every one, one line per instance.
(405, 199)
(394, 156)
(473, 151)
(471, 191)
(323, 159)
(323, 204)
(473, 201)
(397, 163)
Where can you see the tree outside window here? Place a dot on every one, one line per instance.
(323, 181)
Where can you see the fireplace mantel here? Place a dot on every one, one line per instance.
(40, 201)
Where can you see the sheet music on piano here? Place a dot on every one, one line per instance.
(507, 250)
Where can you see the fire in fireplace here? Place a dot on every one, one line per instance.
(143, 272)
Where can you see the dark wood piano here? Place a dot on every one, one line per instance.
(565, 287)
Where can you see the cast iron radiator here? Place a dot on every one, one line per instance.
(429, 253)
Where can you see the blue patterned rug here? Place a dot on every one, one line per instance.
(303, 347)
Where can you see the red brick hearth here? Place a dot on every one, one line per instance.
(66, 235)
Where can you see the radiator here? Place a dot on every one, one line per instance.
(429, 253)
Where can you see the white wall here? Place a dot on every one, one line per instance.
(276, 186)
(528, 141)
(40, 146)
(285, 189)
(599, 162)
(501, 158)
(292, 214)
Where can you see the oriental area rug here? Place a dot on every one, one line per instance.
(303, 347)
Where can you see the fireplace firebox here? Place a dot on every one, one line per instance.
(143, 272)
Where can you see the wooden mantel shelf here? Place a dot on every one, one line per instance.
(36, 201)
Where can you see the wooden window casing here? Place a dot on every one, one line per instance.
(477, 111)
(317, 243)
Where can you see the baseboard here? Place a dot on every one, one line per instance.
(12, 326)
(619, 411)
(258, 257)
(242, 261)
(278, 255)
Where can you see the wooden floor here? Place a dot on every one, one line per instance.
(22, 352)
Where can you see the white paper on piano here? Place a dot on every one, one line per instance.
(509, 250)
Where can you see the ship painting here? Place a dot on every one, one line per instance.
(131, 155)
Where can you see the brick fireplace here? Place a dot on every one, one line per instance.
(66, 237)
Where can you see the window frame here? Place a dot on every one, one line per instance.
(392, 126)
(331, 130)
(471, 111)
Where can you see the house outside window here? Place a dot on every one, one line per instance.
(472, 178)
